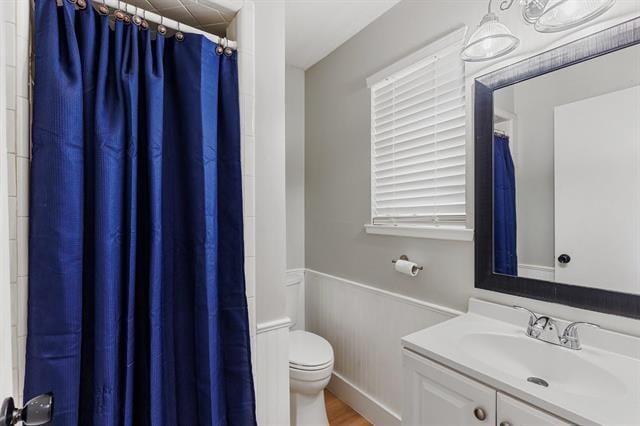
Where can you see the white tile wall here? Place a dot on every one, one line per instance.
(13, 218)
(238, 30)
(10, 91)
(15, 47)
(11, 130)
(23, 149)
(11, 167)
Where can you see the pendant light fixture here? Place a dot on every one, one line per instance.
(492, 39)
(561, 15)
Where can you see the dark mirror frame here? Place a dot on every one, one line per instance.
(601, 43)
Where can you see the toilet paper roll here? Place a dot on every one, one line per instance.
(406, 267)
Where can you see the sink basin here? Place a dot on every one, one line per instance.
(597, 385)
(564, 370)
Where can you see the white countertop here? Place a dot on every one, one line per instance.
(597, 385)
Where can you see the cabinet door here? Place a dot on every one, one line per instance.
(512, 412)
(436, 395)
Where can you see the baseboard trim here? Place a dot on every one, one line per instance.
(364, 404)
(267, 326)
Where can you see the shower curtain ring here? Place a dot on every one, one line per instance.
(179, 34)
(119, 14)
(220, 47)
(161, 28)
(227, 50)
(137, 20)
(144, 24)
(103, 9)
(127, 17)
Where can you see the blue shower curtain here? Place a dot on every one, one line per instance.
(504, 209)
(137, 309)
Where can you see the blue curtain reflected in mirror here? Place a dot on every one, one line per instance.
(504, 208)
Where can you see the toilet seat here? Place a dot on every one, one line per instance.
(309, 352)
(310, 368)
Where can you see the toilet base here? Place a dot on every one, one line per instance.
(308, 410)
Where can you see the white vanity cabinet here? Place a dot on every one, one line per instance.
(436, 395)
(439, 396)
(513, 412)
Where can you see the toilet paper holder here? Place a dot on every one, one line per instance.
(405, 257)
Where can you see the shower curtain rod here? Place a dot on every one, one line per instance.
(169, 23)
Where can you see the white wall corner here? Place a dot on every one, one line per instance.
(272, 373)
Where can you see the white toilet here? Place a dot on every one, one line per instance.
(310, 365)
(310, 368)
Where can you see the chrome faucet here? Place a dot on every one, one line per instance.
(546, 329)
(570, 338)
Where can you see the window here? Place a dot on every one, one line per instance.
(418, 137)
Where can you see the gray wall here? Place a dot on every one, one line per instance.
(337, 170)
(338, 161)
(534, 102)
(294, 95)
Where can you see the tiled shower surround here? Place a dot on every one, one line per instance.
(16, 37)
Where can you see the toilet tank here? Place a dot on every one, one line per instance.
(295, 299)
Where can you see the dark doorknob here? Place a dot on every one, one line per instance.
(564, 258)
(38, 411)
(6, 412)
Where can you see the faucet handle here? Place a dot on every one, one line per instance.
(532, 316)
(570, 336)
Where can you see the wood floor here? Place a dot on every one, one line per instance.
(340, 414)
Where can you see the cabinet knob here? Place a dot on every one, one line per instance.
(480, 413)
(505, 423)
(564, 259)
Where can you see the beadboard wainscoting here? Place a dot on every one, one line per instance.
(364, 325)
(272, 372)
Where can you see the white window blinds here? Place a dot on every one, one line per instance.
(418, 137)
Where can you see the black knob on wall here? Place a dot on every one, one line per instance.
(564, 258)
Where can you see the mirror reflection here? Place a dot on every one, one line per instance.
(567, 175)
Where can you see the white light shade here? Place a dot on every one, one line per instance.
(560, 15)
(490, 40)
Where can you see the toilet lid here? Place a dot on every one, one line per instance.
(308, 350)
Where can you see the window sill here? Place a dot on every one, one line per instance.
(433, 232)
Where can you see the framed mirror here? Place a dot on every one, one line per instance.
(557, 174)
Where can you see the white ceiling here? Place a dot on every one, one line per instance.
(314, 28)
(210, 16)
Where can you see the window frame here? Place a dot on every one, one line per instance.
(445, 231)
